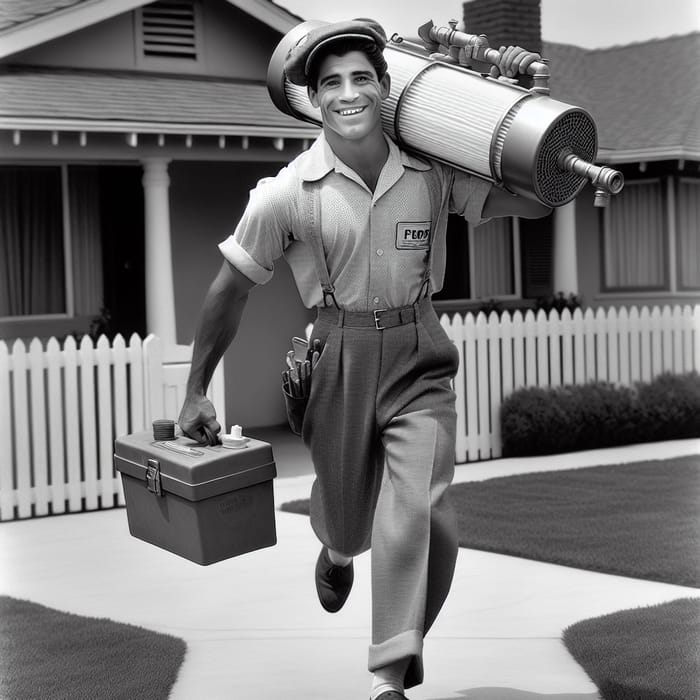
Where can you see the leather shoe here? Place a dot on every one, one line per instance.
(391, 695)
(333, 583)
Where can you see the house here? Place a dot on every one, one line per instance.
(644, 248)
(131, 133)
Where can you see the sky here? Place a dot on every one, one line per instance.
(585, 23)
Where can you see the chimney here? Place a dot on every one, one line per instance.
(505, 22)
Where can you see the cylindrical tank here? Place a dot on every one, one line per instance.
(512, 136)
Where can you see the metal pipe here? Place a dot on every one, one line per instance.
(606, 180)
(477, 47)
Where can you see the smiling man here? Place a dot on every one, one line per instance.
(362, 224)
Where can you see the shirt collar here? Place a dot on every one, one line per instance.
(320, 160)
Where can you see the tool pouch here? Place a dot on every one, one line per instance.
(296, 407)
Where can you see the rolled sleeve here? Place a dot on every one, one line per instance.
(232, 250)
(469, 196)
(262, 233)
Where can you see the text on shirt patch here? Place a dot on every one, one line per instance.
(413, 235)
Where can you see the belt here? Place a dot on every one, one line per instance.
(379, 319)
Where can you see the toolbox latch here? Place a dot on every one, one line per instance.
(153, 477)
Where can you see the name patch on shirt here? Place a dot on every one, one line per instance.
(412, 235)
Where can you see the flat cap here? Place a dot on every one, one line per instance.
(300, 56)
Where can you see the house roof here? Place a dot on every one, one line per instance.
(28, 23)
(119, 101)
(644, 97)
(16, 12)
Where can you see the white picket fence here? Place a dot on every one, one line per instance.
(498, 356)
(61, 409)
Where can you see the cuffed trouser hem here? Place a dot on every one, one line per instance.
(409, 645)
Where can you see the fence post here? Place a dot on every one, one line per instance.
(455, 330)
(72, 417)
(54, 360)
(472, 396)
(153, 377)
(137, 390)
(37, 428)
(23, 481)
(103, 356)
(601, 345)
(612, 331)
(7, 486)
(494, 394)
(86, 359)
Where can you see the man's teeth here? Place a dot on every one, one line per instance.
(348, 112)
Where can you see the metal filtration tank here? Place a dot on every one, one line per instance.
(523, 139)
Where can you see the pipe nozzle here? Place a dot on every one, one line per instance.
(606, 180)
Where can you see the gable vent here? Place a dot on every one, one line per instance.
(168, 29)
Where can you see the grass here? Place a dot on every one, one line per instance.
(45, 653)
(640, 520)
(648, 653)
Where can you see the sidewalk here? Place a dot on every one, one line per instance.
(255, 630)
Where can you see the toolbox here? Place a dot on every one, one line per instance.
(205, 503)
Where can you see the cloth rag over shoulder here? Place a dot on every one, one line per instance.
(376, 243)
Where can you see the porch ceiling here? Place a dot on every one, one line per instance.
(72, 100)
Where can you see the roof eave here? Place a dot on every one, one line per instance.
(69, 19)
(273, 15)
(645, 155)
(110, 126)
(61, 22)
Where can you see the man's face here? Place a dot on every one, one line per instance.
(349, 95)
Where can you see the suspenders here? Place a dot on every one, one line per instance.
(311, 206)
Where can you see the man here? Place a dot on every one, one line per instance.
(380, 422)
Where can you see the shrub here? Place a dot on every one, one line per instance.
(536, 421)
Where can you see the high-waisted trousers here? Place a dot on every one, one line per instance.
(380, 426)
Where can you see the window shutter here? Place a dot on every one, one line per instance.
(168, 29)
(536, 239)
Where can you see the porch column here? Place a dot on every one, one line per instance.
(565, 267)
(160, 293)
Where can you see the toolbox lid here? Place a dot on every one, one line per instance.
(191, 470)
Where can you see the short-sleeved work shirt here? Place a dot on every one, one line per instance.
(376, 243)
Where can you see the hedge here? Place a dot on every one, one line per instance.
(536, 421)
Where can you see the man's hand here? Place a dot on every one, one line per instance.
(515, 61)
(197, 417)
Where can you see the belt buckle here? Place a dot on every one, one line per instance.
(377, 319)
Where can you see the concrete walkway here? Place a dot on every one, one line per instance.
(255, 630)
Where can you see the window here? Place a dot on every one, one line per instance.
(687, 228)
(50, 246)
(651, 238)
(491, 255)
(481, 261)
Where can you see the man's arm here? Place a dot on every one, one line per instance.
(218, 323)
(501, 203)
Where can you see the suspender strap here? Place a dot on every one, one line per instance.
(313, 210)
(438, 209)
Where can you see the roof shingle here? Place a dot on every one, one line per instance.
(14, 12)
(641, 96)
(65, 94)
